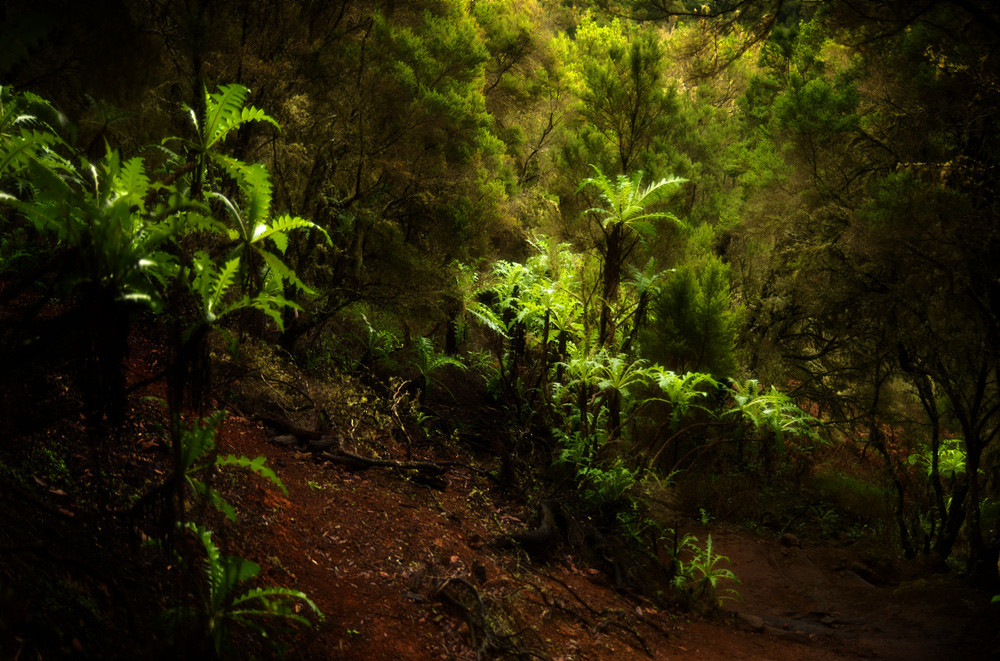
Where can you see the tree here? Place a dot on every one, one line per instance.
(693, 326)
(624, 222)
(882, 276)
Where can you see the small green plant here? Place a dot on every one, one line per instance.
(772, 411)
(600, 483)
(827, 518)
(224, 605)
(193, 449)
(428, 362)
(377, 344)
(951, 459)
(423, 421)
(698, 578)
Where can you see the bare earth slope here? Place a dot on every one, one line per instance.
(374, 550)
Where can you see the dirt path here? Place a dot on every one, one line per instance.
(371, 548)
(828, 598)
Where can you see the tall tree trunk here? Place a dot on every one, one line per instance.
(610, 282)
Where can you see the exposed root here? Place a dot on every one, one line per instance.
(485, 639)
(329, 448)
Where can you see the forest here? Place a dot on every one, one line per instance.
(562, 304)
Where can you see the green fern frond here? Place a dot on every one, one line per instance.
(247, 114)
(219, 111)
(213, 498)
(282, 271)
(272, 305)
(223, 281)
(199, 222)
(257, 466)
(286, 223)
(486, 316)
(625, 200)
(276, 601)
(131, 182)
(256, 185)
(225, 112)
(21, 149)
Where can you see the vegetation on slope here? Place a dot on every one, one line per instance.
(639, 257)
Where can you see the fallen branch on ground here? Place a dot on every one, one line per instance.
(329, 448)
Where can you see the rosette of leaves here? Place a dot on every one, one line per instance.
(257, 240)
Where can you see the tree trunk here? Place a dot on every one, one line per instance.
(610, 281)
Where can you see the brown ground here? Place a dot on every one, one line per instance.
(370, 548)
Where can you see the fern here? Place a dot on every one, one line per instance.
(258, 466)
(132, 184)
(224, 606)
(283, 224)
(18, 151)
(211, 284)
(224, 113)
(773, 411)
(272, 305)
(282, 271)
(193, 449)
(626, 200)
(428, 361)
(486, 316)
(619, 375)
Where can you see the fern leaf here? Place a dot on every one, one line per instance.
(282, 271)
(212, 566)
(275, 601)
(198, 222)
(234, 167)
(225, 279)
(257, 465)
(132, 182)
(20, 149)
(213, 497)
(248, 114)
(271, 308)
(256, 184)
(219, 109)
(287, 223)
(272, 305)
(280, 241)
(487, 317)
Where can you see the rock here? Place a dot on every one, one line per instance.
(852, 578)
(749, 622)
(789, 540)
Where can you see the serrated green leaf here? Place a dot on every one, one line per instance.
(222, 282)
(219, 110)
(487, 317)
(280, 241)
(132, 182)
(282, 271)
(21, 149)
(286, 223)
(257, 465)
